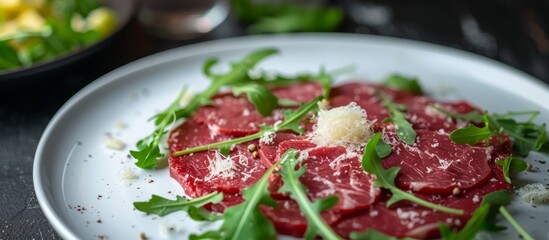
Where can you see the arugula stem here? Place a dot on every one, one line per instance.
(514, 223)
(428, 204)
(219, 144)
(404, 128)
(262, 184)
(306, 208)
(533, 114)
(192, 201)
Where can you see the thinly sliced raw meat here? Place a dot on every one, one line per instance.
(303, 92)
(363, 91)
(268, 152)
(236, 116)
(422, 112)
(203, 172)
(435, 164)
(333, 171)
(404, 219)
(289, 220)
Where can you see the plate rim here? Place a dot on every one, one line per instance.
(225, 44)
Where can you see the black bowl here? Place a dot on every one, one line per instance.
(124, 10)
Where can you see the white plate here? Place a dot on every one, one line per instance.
(73, 167)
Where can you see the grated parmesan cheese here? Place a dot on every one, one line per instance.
(223, 166)
(127, 176)
(267, 138)
(323, 104)
(346, 126)
(535, 193)
(114, 144)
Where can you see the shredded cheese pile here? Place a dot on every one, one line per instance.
(345, 126)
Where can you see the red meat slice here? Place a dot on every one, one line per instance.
(419, 110)
(364, 91)
(333, 171)
(423, 115)
(435, 164)
(194, 171)
(234, 116)
(238, 117)
(289, 220)
(405, 220)
(300, 93)
(268, 152)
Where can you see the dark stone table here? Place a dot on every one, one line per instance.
(513, 32)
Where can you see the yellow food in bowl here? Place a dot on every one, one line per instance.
(36, 30)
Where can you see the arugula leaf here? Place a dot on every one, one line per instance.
(383, 149)
(201, 215)
(148, 151)
(385, 178)
(404, 129)
(525, 136)
(471, 135)
(472, 116)
(483, 219)
(292, 120)
(515, 224)
(264, 100)
(290, 177)
(162, 206)
(287, 16)
(246, 221)
(404, 83)
(237, 75)
(511, 165)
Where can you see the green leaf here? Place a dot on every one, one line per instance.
(293, 118)
(404, 129)
(404, 83)
(287, 16)
(515, 224)
(483, 218)
(148, 155)
(8, 56)
(292, 185)
(511, 165)
(471, 134)
(148, 151)
(383, 149)
(292, 121)
(201, 215)
(246, 221)
(525, 136)
(162, 206)
(371, 235)
(385, 178)
(472, 116)
(263, 99)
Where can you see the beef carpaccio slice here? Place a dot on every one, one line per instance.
(432, 168)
